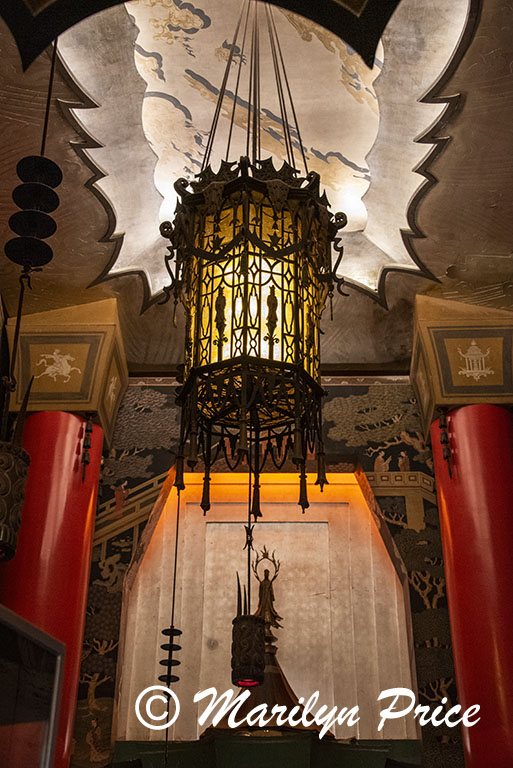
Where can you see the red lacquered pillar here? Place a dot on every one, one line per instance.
(476, 516)
(46, 582)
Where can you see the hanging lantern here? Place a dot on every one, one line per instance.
(253, 259)
(33, 224)
(250, 261)
(248, 644)
(248, 651)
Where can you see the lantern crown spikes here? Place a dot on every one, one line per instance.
(250, 260)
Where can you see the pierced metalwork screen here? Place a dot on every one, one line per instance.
(258, 295)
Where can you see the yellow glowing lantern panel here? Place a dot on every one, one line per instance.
(254, 291)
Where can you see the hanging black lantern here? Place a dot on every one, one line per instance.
(248, 651)
(36, 198)
(248, 641)
(250, 261)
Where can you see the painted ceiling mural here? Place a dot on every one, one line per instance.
(358, 126)
(177, 111)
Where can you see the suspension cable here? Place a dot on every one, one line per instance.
(251, 87)
(172, 622)
(281, 97)
(248, 529)
(49, 97)
(256, 100)
(249, 21)
(220, 99)
(296, 124)
(236, 94)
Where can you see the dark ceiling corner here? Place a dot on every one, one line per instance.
(34, 30)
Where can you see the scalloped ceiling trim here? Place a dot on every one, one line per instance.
(337, 101)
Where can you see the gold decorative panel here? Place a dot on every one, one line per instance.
(462, 354)
(77, 359)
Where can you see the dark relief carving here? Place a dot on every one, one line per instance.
(14, 463)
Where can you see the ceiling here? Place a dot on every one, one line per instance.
(133, 116)
(35, 23)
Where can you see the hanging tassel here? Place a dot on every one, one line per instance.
(207, 457)
(205, 498)
(179, 484)
(303, 494)
(255, 506)
(322, 480)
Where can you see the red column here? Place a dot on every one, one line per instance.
(476, 516)
(46, 582)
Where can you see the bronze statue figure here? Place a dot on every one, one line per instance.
(266, 593)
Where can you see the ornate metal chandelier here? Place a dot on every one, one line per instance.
(250, 260)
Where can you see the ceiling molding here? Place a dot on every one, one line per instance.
(438, 143)
(87, 142)
(416, 268)
(454, 104)
(81, 147)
